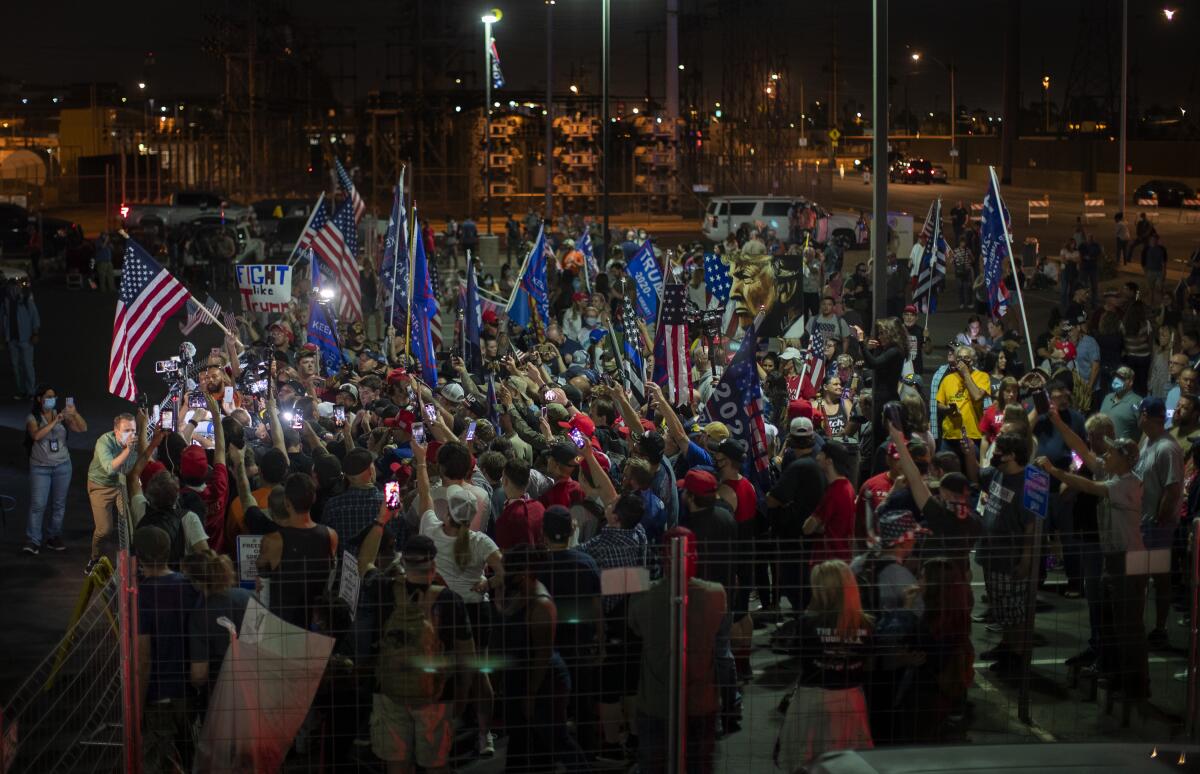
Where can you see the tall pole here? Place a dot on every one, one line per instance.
(879, 160)
(549, 110)
(1124, 103)
(953, 120)
(487, 123)
(605, 121)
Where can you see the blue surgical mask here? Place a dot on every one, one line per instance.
(590, 320)
(1118, 384)
(49, 403)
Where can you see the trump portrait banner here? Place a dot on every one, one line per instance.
(265, 288)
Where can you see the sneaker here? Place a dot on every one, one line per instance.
(31, 549)
(487, 745)
(56, 544)
(1157, 638)
(91, 565)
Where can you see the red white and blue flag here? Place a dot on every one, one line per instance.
(148, 296)
(336, 244)
(737, 401)
(672, 372)
(352, 196)
(930, 274)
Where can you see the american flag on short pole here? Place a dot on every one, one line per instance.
(195, 316)
(149, 295)
(930, 273)
(815, 365)
(672, 372)
(631, 350)
(336, 244)
(352, 196)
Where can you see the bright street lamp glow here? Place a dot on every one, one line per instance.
(635, 111)
(489, 18)
(1169, 13)
(141, 85)
(574, 89)
(916, 56)
(681, 67)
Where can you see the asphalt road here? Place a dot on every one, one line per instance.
(37, 594)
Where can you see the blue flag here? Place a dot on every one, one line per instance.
(472, 351)
(322, 326)
(647, 279)
(424, 308)
(993, 247)
(394, 271)
(532, 285)
(716, 277)
(590, 269)
(737, 401)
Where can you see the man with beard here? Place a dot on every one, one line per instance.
(281, 338)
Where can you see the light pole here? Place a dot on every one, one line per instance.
(1124, 103)
(1046, 100)
(916, 57)
(605, 121)
(488, 20)
(549, 109)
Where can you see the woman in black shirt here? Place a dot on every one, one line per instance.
(886, 354)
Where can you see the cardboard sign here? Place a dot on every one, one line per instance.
(265, 287)
(350, 583)
(248, 549)
(1037, 492)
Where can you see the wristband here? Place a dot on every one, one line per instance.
(193, 423)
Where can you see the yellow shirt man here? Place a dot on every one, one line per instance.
(960, 410)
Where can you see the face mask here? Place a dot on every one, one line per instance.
(49, 403)
(590, 320)
(577, 285)
(1118, 384)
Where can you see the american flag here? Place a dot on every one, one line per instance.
(435, 321)
(360, 207)
(497, 76)
(336, 244)
(316, 221)
(930, 274)
(672, 371)
(814, 367)
(631, 350)
(148, 296)
(584, 245)
(994, 247)
(737, 401)
(716, 277)
(195, 316)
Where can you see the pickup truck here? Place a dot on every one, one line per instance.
(182, 208)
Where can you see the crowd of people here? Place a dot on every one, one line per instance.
(516, 525)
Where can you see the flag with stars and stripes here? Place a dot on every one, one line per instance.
(195, 316)
(352, 195)
(336, 244)
(994, 247)
(737, 401)
(435, 320)
(672, 371)
(148, 296)
(497, 76)
(716, 277)
(316, 221)
(929, 275)
(631, 350)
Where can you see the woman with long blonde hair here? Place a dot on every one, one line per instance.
(828, 710)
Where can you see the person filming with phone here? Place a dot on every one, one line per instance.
(960, 400)
(46, 431)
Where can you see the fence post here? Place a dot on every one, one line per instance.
(677, 717)
(1193, 685)
(128, 641)
(1023, 710)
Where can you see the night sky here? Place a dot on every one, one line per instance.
(40, 43)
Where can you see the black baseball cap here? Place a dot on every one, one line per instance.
(419, 550)
(556, 524)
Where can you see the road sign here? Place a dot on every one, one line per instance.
(803, 142)
(1037, 491)
(834, 134)
(833, 143)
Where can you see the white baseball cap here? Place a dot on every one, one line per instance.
(791, 353)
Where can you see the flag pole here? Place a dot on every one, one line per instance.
(212, 318)
(1012, 260)
(412, 258)
(466, 311)
(307, 223)
(521, 273)
(396, 259)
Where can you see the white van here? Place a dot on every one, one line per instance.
(726, 213)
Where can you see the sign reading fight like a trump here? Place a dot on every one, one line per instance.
(265, 287)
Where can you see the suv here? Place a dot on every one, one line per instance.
(1169, 193)
(914, 171)
(725, 214)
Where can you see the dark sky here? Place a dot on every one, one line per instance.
(42, 43)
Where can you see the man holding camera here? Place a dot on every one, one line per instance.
(960, 398)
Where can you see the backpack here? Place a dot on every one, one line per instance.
(170, 522)
(868, 582)
(409, 653)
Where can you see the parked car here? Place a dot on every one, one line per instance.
(939, 174)
(914, 171)
(182, 208)
(248, 248)
(725, 214)
(14, 229)
(283, 240)
(867, 164)
(1169, 193)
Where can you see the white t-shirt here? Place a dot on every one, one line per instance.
(193, 528)
(459, 579)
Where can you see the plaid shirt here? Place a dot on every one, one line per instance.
(616, 547)
(353, 511)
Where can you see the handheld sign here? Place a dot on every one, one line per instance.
(1037, 492)
(350, 582)
(265, 287)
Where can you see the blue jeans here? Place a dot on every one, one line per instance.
(45, 481)
(21, 353)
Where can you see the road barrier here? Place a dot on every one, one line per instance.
(1093, 208)
(1189, 210)
(976, 212)
(1039, 209)
(1150, 206)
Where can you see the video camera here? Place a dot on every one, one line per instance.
(168, 366)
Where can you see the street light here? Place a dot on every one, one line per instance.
(1169, 13)
(917, 56)
(488, 19)
(142, 85)
(1046, 100)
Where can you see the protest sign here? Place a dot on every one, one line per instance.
(265, 287)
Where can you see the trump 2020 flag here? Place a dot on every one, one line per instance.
(472, 352)
(672, 371)
(590, 269)
(930, 275)
(320, 331)
(647, 279)
(424, 311)
(394, 271)
(737, 401)
(532, 285)
(148, 296)
(993, 246)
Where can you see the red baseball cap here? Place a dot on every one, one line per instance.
(397, 376)
(579, 296)
(583, 423)
(490, 317)
(402, 421)
(152, 469)
(799, 408)
(193, 463)
(699, 482)
(910, 309)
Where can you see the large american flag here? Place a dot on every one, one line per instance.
(148, 296)
(716, 277)
(930, 274)
(994, 247)
(814, 367)
(360, 207)
(672, 371)
(316, 221)
(336, 244)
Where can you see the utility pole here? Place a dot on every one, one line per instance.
(1124, 103)
(605, 122)
(833, 81)
(549, 165)
(1012, 75)
(879, 164)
